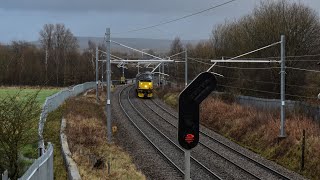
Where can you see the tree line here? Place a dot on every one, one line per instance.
(56, 61)
(268, 21)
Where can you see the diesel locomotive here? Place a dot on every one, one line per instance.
(144, 85)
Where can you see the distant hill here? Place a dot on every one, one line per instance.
(158, 45)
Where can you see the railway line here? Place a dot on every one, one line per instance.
(208, 141)
(164, 145)
(211, 159)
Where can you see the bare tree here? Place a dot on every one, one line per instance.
(61, 44)
(46, 40)
(91, 53)
(176, 47)
(299, 23)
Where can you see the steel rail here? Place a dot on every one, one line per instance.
(145, 136)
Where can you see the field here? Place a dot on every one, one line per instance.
(4, 91)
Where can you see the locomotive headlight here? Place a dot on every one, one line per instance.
(150, 84)
(145, 86)
(141, 83)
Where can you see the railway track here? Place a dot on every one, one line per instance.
(263, 168)
(163, 144)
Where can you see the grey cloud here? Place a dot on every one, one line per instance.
(144, 6)
(170, 6)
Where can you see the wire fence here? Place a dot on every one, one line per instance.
(54, 101)
(42, 168)
(312, 111)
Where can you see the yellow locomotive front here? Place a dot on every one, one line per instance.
(144, 85)
(145, 89)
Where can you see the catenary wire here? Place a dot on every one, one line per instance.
(178, 19)
(300, 69)
(261, 91)
(268, 82)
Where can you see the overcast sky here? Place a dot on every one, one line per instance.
(23, 19)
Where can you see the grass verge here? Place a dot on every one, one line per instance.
(86, 132)
(51, 133)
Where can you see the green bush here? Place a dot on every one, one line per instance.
(18, 128)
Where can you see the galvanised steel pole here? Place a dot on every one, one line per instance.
(163, 83)
(97, 75)
(159, 77)
(187, 153)
(102, 74)
(123, 73)
(108, 73)
(186, 68)
(187, 156)
(283, 76)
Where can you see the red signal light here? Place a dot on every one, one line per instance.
(189, 138)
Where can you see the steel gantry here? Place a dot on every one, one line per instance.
(121, 63)
(282, 72)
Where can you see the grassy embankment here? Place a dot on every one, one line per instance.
(259, 132)
(51, 133)
(86, 132)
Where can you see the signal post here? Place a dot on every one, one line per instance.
(189, 101)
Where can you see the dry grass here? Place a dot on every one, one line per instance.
(259, 131)
(86, 133)
(169, 95)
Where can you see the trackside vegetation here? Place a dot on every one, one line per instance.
(51, 133)
(86, 132)
(258, 131)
